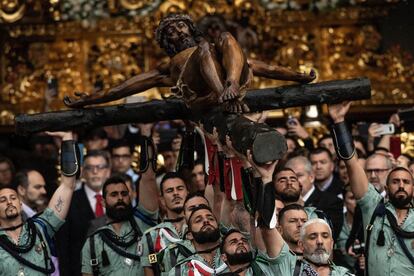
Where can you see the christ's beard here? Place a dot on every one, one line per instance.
(186, 41)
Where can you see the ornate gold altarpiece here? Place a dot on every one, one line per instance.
(45, 41)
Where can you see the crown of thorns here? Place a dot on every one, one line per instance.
(168, 20)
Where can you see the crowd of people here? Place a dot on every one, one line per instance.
(330, 207)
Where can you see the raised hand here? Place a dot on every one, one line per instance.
(265, 170)
(338, 111)
(296, 129)
(63, 135)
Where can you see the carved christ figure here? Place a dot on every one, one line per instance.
(202, 73)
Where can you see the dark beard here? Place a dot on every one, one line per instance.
(119, 214)
(400, 202)
(208, 236)
(186, 41)
(11, 217)
(239, 258)
(289, 196)
(177, 210)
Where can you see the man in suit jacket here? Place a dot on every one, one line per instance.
(323, 167)
(84, 208)
(313, 197)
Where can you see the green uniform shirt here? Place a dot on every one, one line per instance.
(162, 235)
(10, 266)
(119, 265)
(174, 251)
(286, 262)
(388, 259)
(341, 244)
(263, 265)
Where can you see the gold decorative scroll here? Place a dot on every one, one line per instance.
(12, 10)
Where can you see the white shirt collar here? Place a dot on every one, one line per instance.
(308, 194)
(325, 185)
(28, 211)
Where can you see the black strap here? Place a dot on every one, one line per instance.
(405, 249)
(394, 227)
(94, 261)
(184, 251)
(379, 211)
(46, 253)
(27, 263)
(118, 250)
(146, 219)
(177, 270)
(297, 267)
(151, 251)
(173, 258)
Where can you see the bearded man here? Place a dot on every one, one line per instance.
(204, 234)
(389, 226)
(114, 249)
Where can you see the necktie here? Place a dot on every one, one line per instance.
(98, 207)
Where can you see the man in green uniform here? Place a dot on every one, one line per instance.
(173, 193)
(25, 247)
(315, 242)
(204, 234)
(116, 249)
(172, 254)
(291, 219)
(390, 226)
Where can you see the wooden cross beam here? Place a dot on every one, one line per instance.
(265, 143)
(158, 110)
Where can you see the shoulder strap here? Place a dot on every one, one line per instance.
(94, 261)
(298, 264)
(184, 251)
(147, 220)
(379, 211)
(152, 256)
(49, 240)
(400, 240)
(27, 263)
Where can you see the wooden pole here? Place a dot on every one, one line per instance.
(157, 110)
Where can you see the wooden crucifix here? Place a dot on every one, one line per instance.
(210, 81)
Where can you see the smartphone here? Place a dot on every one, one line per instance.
(385, 129)
(291, 120)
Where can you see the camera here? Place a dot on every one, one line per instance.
(359, 248)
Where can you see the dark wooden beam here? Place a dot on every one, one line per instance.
(157, 110)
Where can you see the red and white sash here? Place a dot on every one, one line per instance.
(197, 268)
